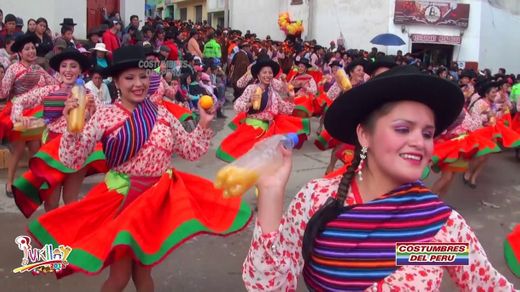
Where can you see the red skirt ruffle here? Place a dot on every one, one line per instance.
(144, 218)
(448, 153)
(246, 136)
(6, 125)
(46, 172)
(512, 250)
(505, 136)
(324, 141)
(178, 111)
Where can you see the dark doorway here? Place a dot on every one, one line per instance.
(433, 54)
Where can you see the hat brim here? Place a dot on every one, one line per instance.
(360, 62)
(350, 109)
(255, 69)
(83, 61)
(308, 65)
(99, 50)
(372, 67)
(70, 24)
(20, 42)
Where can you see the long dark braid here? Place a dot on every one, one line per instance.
(332, 207)
(348, 176)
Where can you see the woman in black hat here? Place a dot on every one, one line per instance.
(261, 112)
(356, 71)
(115, 224)
(340, 233)
(305, 88)
(485, 110)
(458, 145)
(20, 78)
(48, 176)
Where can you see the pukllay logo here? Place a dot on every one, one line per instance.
(41, 260)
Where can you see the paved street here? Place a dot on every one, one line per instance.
(214, 264)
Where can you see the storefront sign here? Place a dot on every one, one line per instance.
(431, 12)
(436, 39)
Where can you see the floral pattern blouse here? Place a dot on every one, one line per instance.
(167, 137)
(276, 105)
(275, 262)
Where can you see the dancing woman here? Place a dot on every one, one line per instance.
(19, 79)
(305, 88)
(271, 117)
(340, 232)
(48, 178)
(116, 224)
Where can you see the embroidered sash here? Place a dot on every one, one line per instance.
(155, 81)
(263, 103)
(25, 81)
(134, 132)
(54, 103)
(357, 248)
(304, 77)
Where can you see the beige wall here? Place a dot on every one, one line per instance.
(190, 5)
(52, 10)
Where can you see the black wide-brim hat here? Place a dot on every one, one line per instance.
(485, 86)
(149, 51)
(335, 63)
(127, 57)
(264, 62)
(402, 83)
(21, 40)
(305, 62)
(68, 21)
(357, 62)
(70, 54)
(468, 73)
(380, 62)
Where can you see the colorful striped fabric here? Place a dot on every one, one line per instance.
(54, 103)
(358, 248)
(155, 81)
(26, 80)
(132, 136)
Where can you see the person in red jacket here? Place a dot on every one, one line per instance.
(110, 35)
(169, 41)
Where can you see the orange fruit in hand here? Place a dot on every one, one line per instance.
(206, 102)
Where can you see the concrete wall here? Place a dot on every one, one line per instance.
(500, 39)
(261, 17)
(215, 5)
(128, 8)
(359, 21)
(52, 10)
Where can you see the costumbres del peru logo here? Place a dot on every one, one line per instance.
(45, 260)
(438, 254)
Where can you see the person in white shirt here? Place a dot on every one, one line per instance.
(98, 88)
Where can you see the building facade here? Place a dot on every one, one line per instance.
(217, 12)
(476, 33)
(86, 13)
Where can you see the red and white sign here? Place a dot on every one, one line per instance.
(436, 39)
